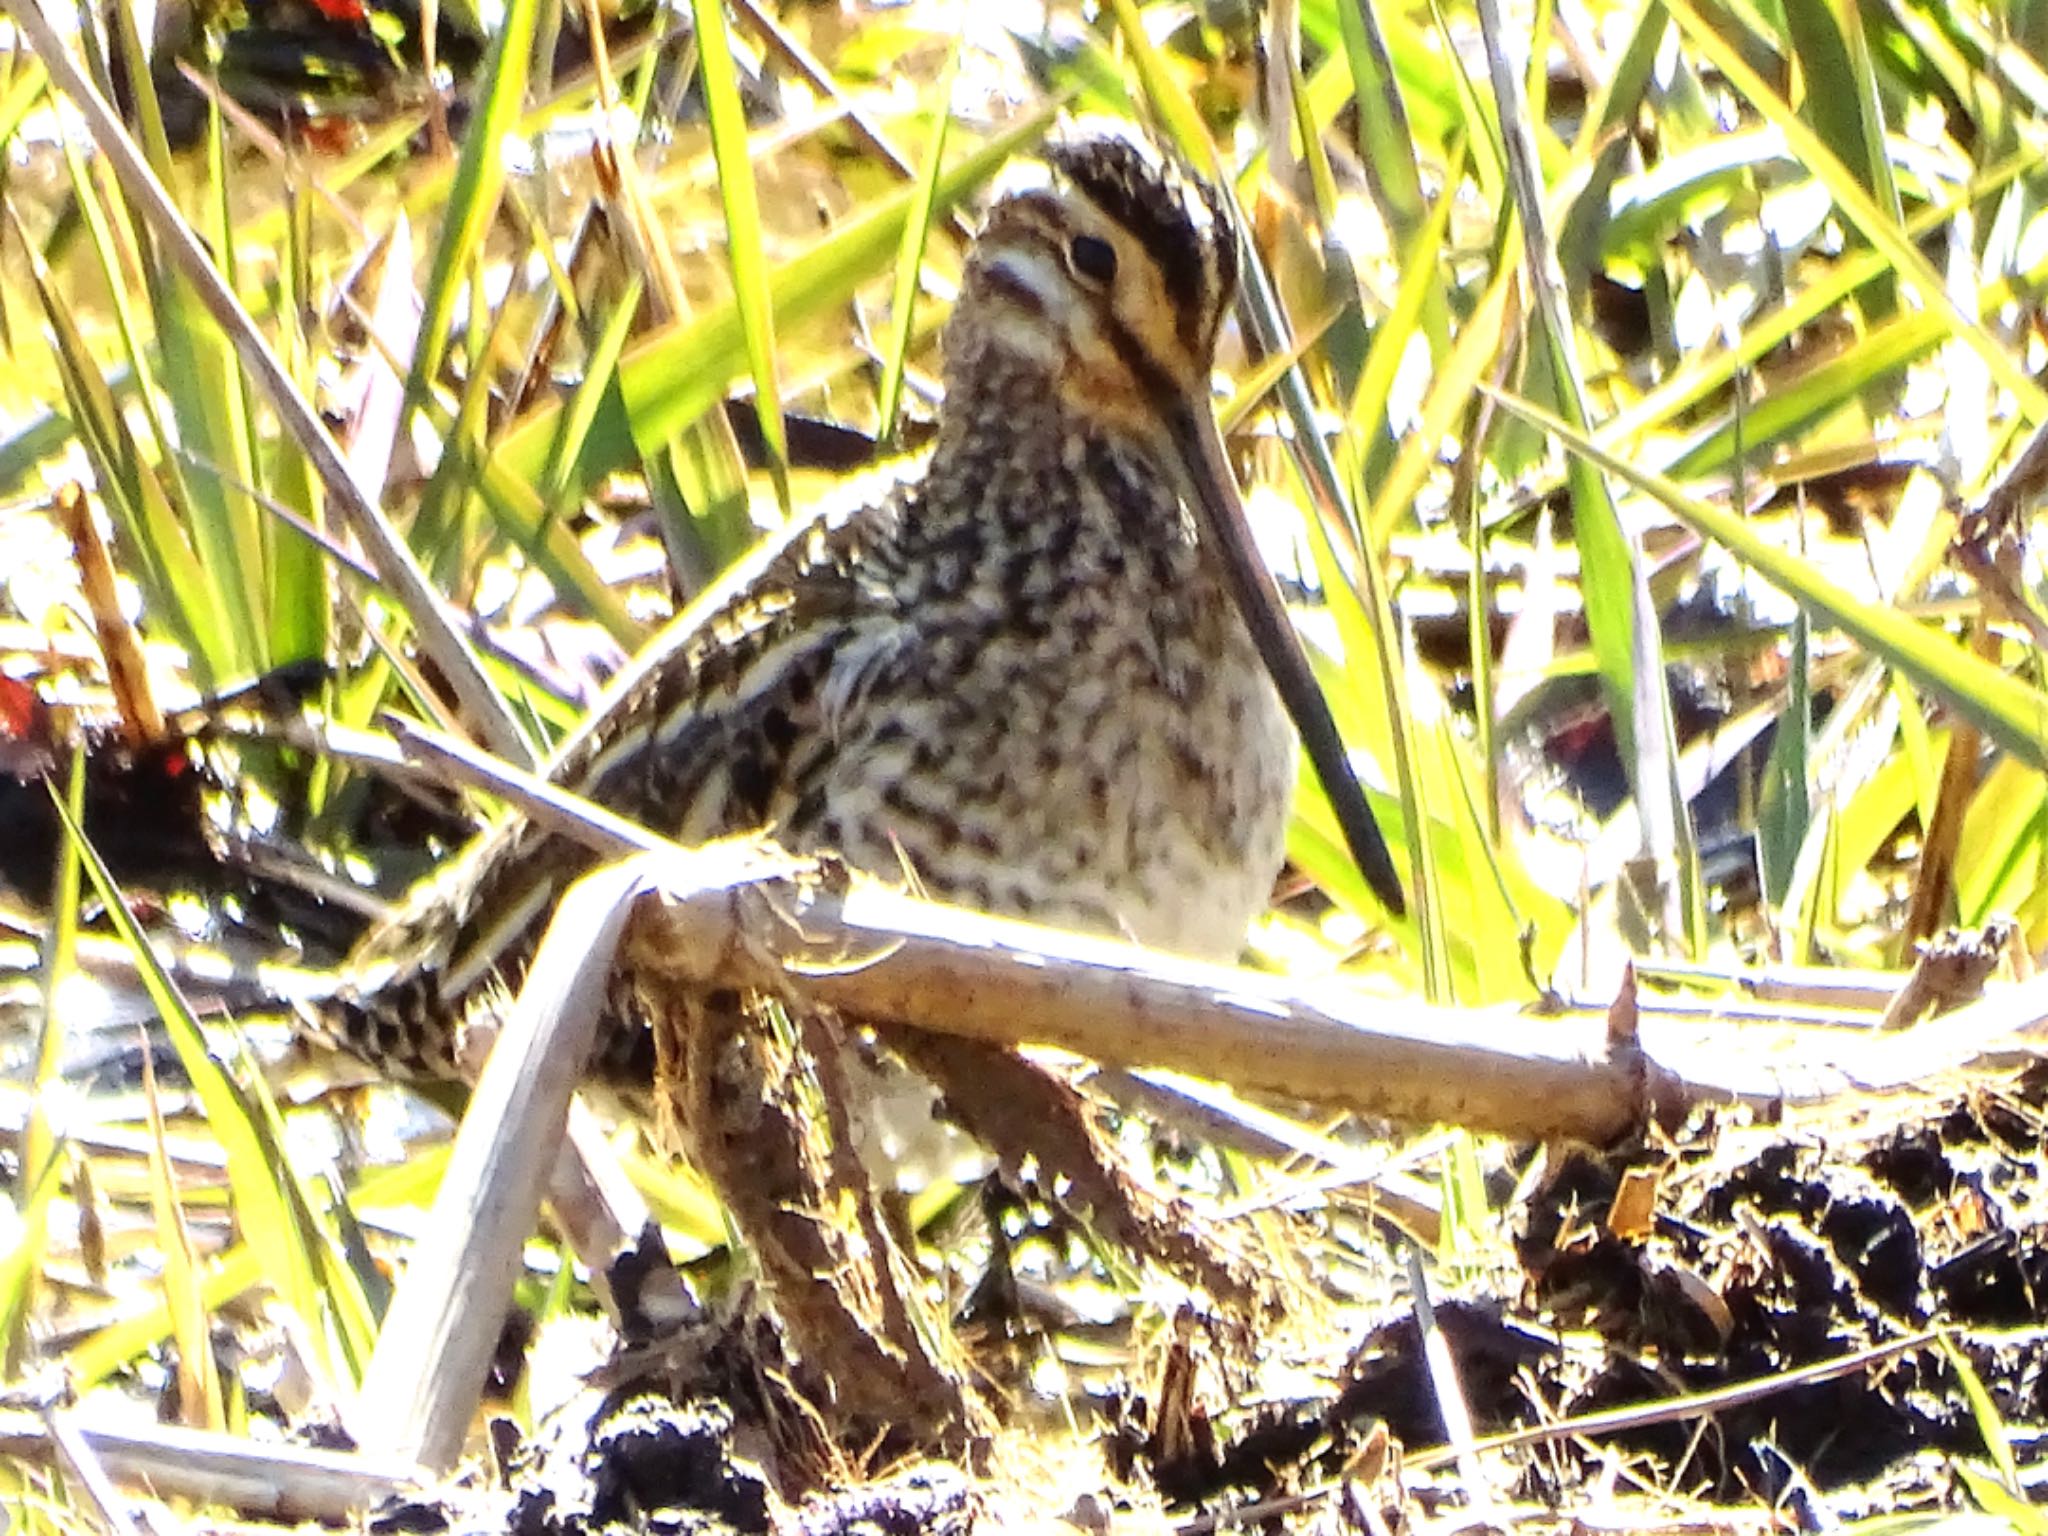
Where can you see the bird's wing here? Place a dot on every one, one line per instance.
(691, 740)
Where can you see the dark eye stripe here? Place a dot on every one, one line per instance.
(1152, 378)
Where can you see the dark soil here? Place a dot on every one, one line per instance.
(1767, 1249)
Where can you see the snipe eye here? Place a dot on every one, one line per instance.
(1093, 258)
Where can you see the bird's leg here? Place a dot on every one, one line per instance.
(1022, 1112)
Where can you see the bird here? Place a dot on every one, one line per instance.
(1034, 678)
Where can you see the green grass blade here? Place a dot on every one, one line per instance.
(146, 110)
(1699, 379)
(23, 95)
(37, 1183)
(106, 1350)
(473, 197)
(2013, 714)
(22, 1263)
(204, 385)
(345, 1305)
(1386, 143)
(1476, 111)
(1785, 814)
(1422, 73)
(910, 255)
(263, 1207)
(1606, 145)
(201, 1404)
(1165, 95)
(1473, 357)
(1846, 110)
(240, 1269)
(517, 506)
(1839, 383)
(1984, 1413)
(2000, 852)
(675, 375)
(744, 252)
(173, 582)
(1367, 412)
(599, 377)
(2021, 1517)
(222, 615)
(1881, 229)
(1620, 615)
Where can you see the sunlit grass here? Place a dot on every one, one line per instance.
(1426, 380)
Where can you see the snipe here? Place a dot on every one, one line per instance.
(1031, 676)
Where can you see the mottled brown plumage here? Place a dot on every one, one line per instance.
(1023, 677)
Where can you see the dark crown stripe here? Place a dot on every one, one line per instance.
(1151, 201)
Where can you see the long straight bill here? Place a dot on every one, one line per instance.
(1215, 500)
